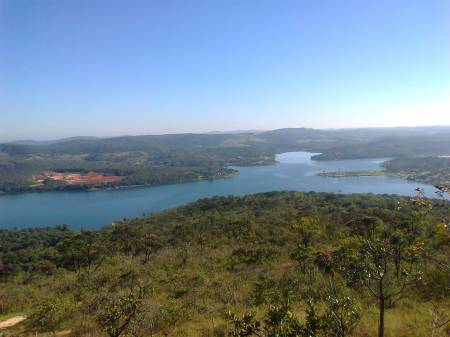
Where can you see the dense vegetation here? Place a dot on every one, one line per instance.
(275, 264)
(431, 170)
(152, 160)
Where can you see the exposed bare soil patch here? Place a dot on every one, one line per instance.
(90, 178)
(12, 322)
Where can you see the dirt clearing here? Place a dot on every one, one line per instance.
(10, 322)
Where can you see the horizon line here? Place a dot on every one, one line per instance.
(216, 132)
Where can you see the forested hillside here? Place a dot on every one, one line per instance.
(273, 264)
(431, 170)
(392, 147)
(163, 159)
(431, 164)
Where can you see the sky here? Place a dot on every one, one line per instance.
(108, 68)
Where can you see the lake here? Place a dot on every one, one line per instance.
(295, 171)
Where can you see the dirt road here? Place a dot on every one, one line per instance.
(10, 322)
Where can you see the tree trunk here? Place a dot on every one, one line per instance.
(381, 320)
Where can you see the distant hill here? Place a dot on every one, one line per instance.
(363, 142)
(234, 132)
(174, 158)
(392, 147)
(46, 142)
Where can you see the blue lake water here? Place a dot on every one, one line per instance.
(295, 171)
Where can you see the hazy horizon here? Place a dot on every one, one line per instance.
(106, 69)
(233, 131)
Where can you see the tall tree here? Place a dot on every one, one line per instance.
(386, 263)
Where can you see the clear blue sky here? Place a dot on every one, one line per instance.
(137, 67)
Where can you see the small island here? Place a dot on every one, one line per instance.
(346, 174)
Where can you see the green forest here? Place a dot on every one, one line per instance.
(285, 264)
